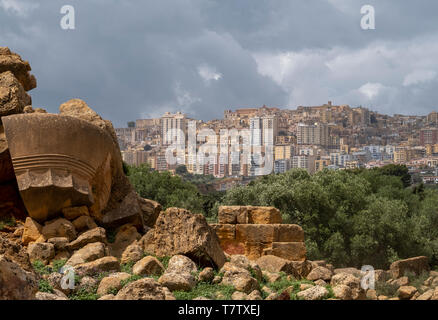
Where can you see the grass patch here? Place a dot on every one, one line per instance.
(417, 281)
(41, 268)
(127, 267)
(58, 264)
(206, 290)
(44, 286)
(85, 294)
(386, 289)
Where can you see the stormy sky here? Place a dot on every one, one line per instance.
(139, 58)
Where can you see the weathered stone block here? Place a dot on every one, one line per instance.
(53, 168)
(289, 233)
(256, 233)
(294, 251)
(228, 214)
(264, 215)
(416, 265)
(225, 231)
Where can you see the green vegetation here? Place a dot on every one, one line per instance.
(41, 268)
(44, 286)
(386, 289)
(127, 267)
(132, 278)
(203, 289)
(7, 222)
(352, 218)
(58, 264)
(85, 294)
(172, 190)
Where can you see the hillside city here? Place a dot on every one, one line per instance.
(329, 136)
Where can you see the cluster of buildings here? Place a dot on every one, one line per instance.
(249, 142)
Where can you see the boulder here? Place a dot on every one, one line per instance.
(132, 253)
(105, 264)
(151, 210)
(12, 62)
(181, 264)
(60, 243)
(406, 292)
(13, 97)
(15, 282)
(147, 241)
(90, 252)
(237, 295)
(41, 251)
(127, 211)
(126, 235)
(342, 292)
(84, 223)
(90, 236)
(32, 231)
(426, 295)
(352, 282)
(320, 273)
(178, 281)
(276, 264)
(178, 231)
(16, 253)
(113, 281)
(416, 265)
(73, 213)
(148, 266)
(313, 293)
(59, 228)
(302, 268)
(206, 275)
(255, 295)
(143, 289)
(240, 279)
(50, 296)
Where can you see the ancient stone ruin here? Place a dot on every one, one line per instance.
(62, 183)
(258, 231)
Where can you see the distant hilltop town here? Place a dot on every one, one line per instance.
(315, 137)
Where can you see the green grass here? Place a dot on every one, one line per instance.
(206, 290)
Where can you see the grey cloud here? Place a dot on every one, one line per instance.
(130, 59)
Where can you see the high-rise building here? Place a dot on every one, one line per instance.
(173, 127)
(263, 130)
(317, 134)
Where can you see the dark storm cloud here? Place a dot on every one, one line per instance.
(132, 59)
